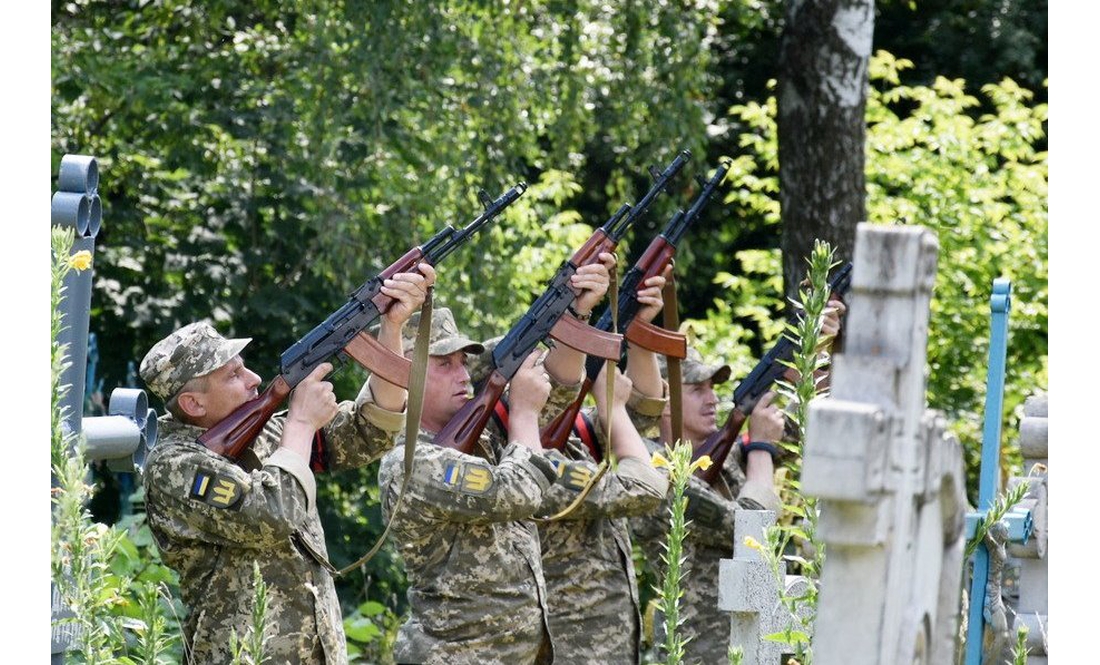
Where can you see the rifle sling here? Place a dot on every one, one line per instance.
(417, 379)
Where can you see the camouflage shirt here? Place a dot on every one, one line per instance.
(476, 591)
(587, 557)
(213, 519)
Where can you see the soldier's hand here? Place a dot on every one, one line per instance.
(830, 325)
(313, 402)
(409, 290)
(590, 283)
(530, 387)
(651, 296)
(766, 421)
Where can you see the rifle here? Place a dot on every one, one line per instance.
(545, 318)
(344, 331)
(753, 386)
(651, 263)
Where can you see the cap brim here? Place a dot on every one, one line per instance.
(721, 374)
(449, 346)
(228, 351)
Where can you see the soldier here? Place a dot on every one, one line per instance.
(587, 556)
(214, 520)
(710, 508)
(476, 589)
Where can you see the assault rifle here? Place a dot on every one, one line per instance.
(545, 318)
(753, 387)
(652, 262)
(345, 331)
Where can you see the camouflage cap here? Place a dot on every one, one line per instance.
(694, 370)
(193, 350)
(444, 339)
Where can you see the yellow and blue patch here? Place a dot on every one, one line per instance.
(576, 476)
(216, 490)
(468, 477)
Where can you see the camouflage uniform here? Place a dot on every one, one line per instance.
(212, 519)
(710, 535)
(476, 590)
(587, 557)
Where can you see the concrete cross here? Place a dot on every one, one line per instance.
(748, 589)
(889, 479)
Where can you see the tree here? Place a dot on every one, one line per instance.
(822, 98)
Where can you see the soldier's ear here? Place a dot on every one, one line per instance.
(192, 404)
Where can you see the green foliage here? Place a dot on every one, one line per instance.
(1020, 650)
(1003, 503)
(154, 640)
(808, 361)
(269, 158)
(371, 630)
(981, 184)
(680, 469)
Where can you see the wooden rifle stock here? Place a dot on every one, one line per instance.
(234, 433)
(464, 428)
(556, 433)
(718, 445)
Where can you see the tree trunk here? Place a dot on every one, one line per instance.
(824, 52)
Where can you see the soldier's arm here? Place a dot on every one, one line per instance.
(409, 289)
(202, 496)
(361, 432)
(633, 488)
(590, 282)
(364, 429)
(646, 410)
(451, 486)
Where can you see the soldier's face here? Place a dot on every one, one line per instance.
(228, 387)
(447, 388)
(700, 410)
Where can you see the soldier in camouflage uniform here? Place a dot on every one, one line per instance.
(213, 519)
(745, 482)
(587, 556)
(476, 589)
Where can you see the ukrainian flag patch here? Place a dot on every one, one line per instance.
(467, 477)
(216, 490)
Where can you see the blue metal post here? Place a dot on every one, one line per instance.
(999, 303)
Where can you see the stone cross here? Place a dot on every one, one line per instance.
(748, 589)
(889, 479)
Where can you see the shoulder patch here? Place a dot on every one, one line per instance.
(216, 490)
(467, 477)
(559, 465)
(575, 475)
